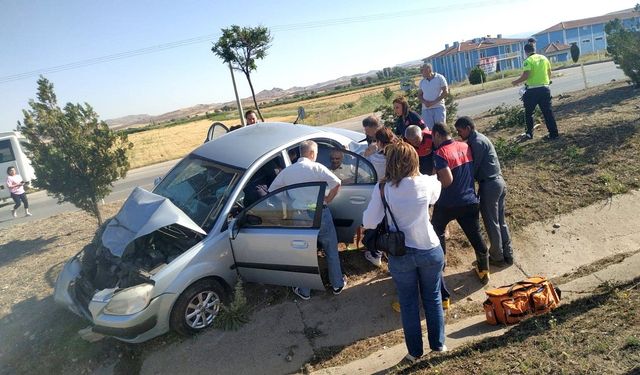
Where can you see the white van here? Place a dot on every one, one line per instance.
(12, 155)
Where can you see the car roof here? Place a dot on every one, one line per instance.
(241, 147)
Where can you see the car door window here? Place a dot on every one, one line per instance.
(295, 206)
(258, 185)
(349, 167)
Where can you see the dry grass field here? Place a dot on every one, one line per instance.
(169, 143)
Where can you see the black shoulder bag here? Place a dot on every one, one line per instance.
(382, 238)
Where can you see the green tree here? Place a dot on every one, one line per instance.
(387, 93)
(477, 75)
(624, 47)
(355, 81)
(241, 47)
(75, 155)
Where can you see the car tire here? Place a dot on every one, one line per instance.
(196, 308)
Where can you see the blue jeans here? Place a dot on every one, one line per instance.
(328, 240)
(417, 277)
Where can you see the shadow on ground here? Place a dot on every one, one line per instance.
(15, 250)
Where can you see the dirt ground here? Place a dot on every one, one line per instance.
(597, 156)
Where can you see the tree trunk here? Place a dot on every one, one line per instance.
(253, 95)
(96, 211)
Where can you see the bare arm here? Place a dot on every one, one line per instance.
(445, 177)
(421, 97)
(523, 78)
(332, 194)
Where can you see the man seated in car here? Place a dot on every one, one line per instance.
(306, 169)
(346, 173)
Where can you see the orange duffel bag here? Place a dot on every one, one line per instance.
(510, 304)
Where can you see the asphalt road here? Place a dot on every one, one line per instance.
(43, 206)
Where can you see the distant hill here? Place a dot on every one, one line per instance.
(262, 96)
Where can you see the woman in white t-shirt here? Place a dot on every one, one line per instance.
(417, 275)
(16, 188)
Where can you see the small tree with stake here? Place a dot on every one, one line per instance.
(241, 47)
(75, 155)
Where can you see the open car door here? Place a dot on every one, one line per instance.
(275, 242)
(358, 178)
(216, 130)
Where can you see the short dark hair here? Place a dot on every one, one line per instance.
(465, 122)
(10, 168)
(528, 48)
(531, 40)
(441, 129)
(247, 113)
(371, 122)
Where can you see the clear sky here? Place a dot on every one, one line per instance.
(151, 57)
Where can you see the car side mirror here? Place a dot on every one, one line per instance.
(253, 219)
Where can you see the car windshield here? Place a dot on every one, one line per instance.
(199, 187)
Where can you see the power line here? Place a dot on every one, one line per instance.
(210, 37)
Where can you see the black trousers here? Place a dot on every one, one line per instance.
(539, 96)
(20, 197)
(469, 219)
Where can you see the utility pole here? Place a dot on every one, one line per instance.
(238, 102)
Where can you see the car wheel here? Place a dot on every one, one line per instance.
(197, 307)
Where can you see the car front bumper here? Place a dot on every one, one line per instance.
(152, 321)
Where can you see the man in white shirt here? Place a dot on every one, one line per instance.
(433, 90)
(306, 169)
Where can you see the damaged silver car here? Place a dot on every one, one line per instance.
(170, 258)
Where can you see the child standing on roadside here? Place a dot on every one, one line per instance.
(16, 187)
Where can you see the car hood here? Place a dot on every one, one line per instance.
(142, 213)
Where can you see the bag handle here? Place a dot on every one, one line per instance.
(520, 283)
(386, 206)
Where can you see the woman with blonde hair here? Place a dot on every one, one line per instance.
(417, 275)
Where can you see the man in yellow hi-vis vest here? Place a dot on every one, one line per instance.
(537, 74)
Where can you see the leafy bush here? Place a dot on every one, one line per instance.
(387, 93)
(512, 116)
(477, 76)
(237, 313)
(624, 46)
(506, 150)
(346, 105)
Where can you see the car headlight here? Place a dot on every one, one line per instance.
(130, 301)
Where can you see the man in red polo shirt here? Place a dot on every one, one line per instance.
(422, 141)
(458, 201)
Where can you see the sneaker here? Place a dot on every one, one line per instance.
(376, 261)
(550, 137)
(441, 350)
(337, 291)
(298, 293)
(409, 359)
(446, 303)
(482, 275)
(526, 136)
(14, 213)
(28, 213)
